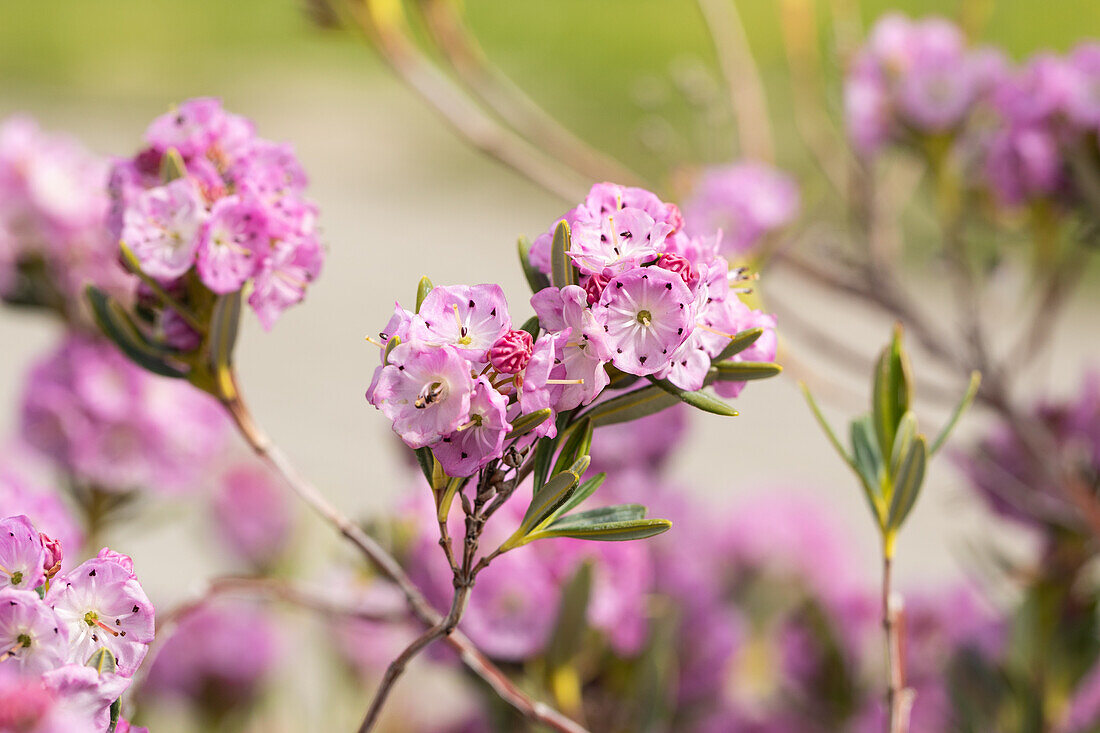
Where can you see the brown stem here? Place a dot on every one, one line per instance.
(899, 699)
(385, 564)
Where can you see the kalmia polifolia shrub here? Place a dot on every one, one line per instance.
(72, 639)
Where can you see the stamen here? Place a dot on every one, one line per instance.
(715, 331)
(5, 571)
(106, 628)
(564, 381)
(9, 653)
(291, 280)
(375, 342)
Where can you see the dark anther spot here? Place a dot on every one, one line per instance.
(668, 286)
(136, 609)
(606, 329)
(122, 633)
(618, 285)
(472, 305)
(493, 313)
(603, 237)
(400, 368)
(645, 277)
(641, 359)
(92, 573)
(679, 332)
(618, 351)
(464, 454)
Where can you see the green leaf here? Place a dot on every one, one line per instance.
(544, 455)
(964, 404)
(572, 619)
(546, 501)
(172, 166)
(907, 431)
(631, 406)
(224, 324)
(445, 500)
(745, 371)
(526, 423)
(619, 379)
(426, 461)
(892, 393)
(561, 265)
(585, 490)
(531, 326)
(102, 660)
(535, 279)
(699, 400)
(825, 426)
(116, 325)
(635, 529)
(578, 444)
(868, 464)
(908, 483)
(116, 713)
(391, 343)
(740, 341)
(601, 515)
(422, 289)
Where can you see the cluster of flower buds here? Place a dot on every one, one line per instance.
(210, 204)
(70, 642)
(112, 426)
(745, 201)
(53, 212)
(620, 291)
(915, 78)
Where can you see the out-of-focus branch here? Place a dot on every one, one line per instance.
(384, 27)
(746, 89)
(452, 37)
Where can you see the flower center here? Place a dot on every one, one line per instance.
(91, 618)
(17, 577)
(24, 640)
(645, 318)
(431, 394)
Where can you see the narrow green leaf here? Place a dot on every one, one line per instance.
(907, 486)
(892, 393)
(102, 660)
(531, 326)
(631, 406)
(699, 400)
(585, 490)
(601, 515)
(546, 501)
(391, 343)
(619, 379)
(116, 325)
(535, 279)
(576, 445)
(526, 423)
(561, 265)
(572, 619)
(445, 500)
(636, 529)
(544, 454)
(224, 325)
(130, 260)
(964, 404)
(740, 341)
(172, 166)
(116, 713)
(422, 289)
(868, 465)
(745, 371)
(426, 461)
(825, 426)
(907, 431)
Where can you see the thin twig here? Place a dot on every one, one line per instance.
(898, 698)
(385, 564)
(746, 90)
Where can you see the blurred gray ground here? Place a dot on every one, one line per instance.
(401, 197)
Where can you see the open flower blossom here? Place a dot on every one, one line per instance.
(53, 214)
(251, 516)
(108, 423)
(650, 301)
(236, 215)
(50, 627)
(745, 201)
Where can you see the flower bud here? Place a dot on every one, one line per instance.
(52, 556)
(511, 352)
(594, 287)
(680, 265)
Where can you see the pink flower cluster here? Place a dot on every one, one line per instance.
(53, 211)
(51, 625)
(650, 301)
(109, 424)
(746, 202)
(914, 78)
(237, 216)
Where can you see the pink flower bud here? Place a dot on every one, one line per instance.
(680, 265)
(52, 557)
(511, 352)
(594, 287)
(124, 561)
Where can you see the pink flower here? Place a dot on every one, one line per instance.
(481, 438)
(194, 127)
(649, 314)
(283, 277)
(746, 202)
(468, 318)
(511, 352)
(534, 392)
(20, 493)
(83, 694)
(30, 633)
(52, 555)
(251, 516)
(162, 228)
(617, 242)
(101, 604)
(1083, 100)
(123, 561)
(232, 242)
(22, 557)
(425, 391)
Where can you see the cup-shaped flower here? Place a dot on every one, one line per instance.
(648, 315)
(468, 318)
(31, 636)
(22, 557)
(101, 604)
(481, 438)
(230, 244)
(162, 228)
(617, 242)
(425, 391)
(85, 694)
